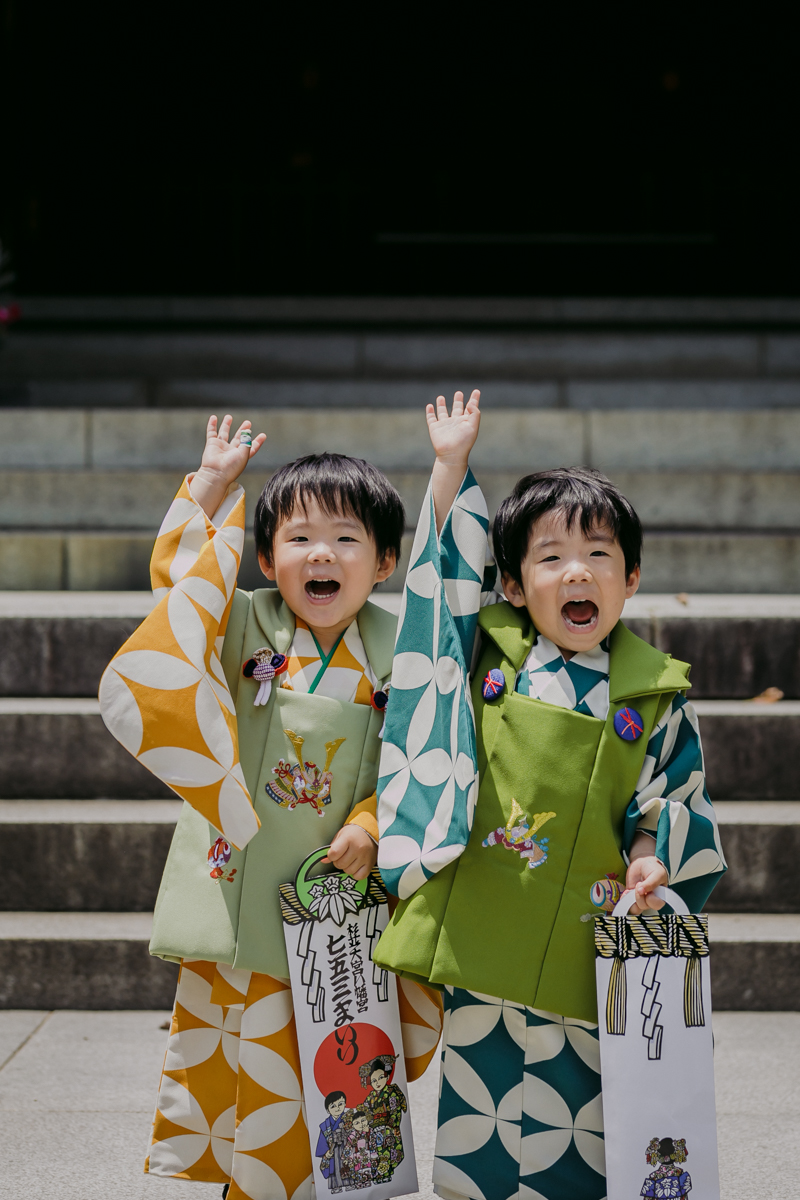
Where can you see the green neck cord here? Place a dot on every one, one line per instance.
(326, 658)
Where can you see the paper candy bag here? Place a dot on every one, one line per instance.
(348, 1029)
(656, 1052)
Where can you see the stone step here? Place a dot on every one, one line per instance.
(81, 960)
(761, 841)
(710, 561)
(100, 961)
(58, 643)
(108, 855)
(97, 499)
(755, 961)
(85, 855)
(59, 748)
(353, 354)
(750, 749)
(514, 439)
(472, 312)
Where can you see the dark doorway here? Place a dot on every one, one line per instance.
(195, 148)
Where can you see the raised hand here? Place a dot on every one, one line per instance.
(454, 434)
(224, 459)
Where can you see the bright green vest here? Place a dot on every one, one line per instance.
(489, 923)
(238, 921)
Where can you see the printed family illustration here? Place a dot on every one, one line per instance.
(363, 1145)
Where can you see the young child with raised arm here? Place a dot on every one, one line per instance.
(264, 712)
(514, 807)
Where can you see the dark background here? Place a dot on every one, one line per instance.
(193, 148)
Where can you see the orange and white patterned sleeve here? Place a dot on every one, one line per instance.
(164, 695)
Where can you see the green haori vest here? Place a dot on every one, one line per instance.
(488, 922)
(238, 921)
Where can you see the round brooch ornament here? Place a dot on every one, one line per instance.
(379, 700)
(628, 724)
(493, 684)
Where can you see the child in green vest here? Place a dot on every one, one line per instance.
(264, 711)
(538, 758)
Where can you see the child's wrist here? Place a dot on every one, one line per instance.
(212, 478)
(452, 463)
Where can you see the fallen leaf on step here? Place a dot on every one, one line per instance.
(682, 597)
(768, 696)
(166, 1025)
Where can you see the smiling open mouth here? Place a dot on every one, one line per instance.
(580, 614)
(322, 589)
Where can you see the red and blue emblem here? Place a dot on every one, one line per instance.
(493, 684)
(628, 724)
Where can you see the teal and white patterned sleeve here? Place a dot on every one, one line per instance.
(672, 804)
(428, 780)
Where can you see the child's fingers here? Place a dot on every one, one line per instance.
(473, 404)
(211, 428)
(458, 404)
(258, 442)
(441, 407)
(225, 427)
(430, 414)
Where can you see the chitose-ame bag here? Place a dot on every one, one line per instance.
(656, 1052)
(349, 1033)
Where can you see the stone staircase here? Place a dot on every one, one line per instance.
(88, 829)
(692, 407)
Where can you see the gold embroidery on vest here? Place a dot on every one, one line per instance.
(519, 835)
(306, 784)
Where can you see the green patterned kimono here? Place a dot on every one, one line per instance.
(503, 834)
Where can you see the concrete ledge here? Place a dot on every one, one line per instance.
(517, 439)
(95, 499)
(677, 561)
(761, 840)
(100, 960)
(755, 961)
(60, 748)
(87, 855)
(81, 960)
(424, 310)
(751, 750)
(59, 643)
(281, 354)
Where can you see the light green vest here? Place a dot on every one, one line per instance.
(488, 922)
(236, 920)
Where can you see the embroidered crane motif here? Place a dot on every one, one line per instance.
(519, 835)
(306, 784)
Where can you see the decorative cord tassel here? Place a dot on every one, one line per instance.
(263, 692)
(693, 994)
(617, 1003)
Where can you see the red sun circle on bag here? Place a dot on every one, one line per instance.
(339, 1057)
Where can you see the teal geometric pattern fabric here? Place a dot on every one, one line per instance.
(671, 803)
(428, 774)
(579, 683)
(520, 1110)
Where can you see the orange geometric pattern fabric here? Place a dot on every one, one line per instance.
(164, 695)
(230, 1101)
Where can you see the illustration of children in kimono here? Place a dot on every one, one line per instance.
(385, 1105)
(669, 1181)
(357, 1157)
(331, 1140)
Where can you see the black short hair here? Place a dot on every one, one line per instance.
(332, 1097)
(581, 494)
(340, 485)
